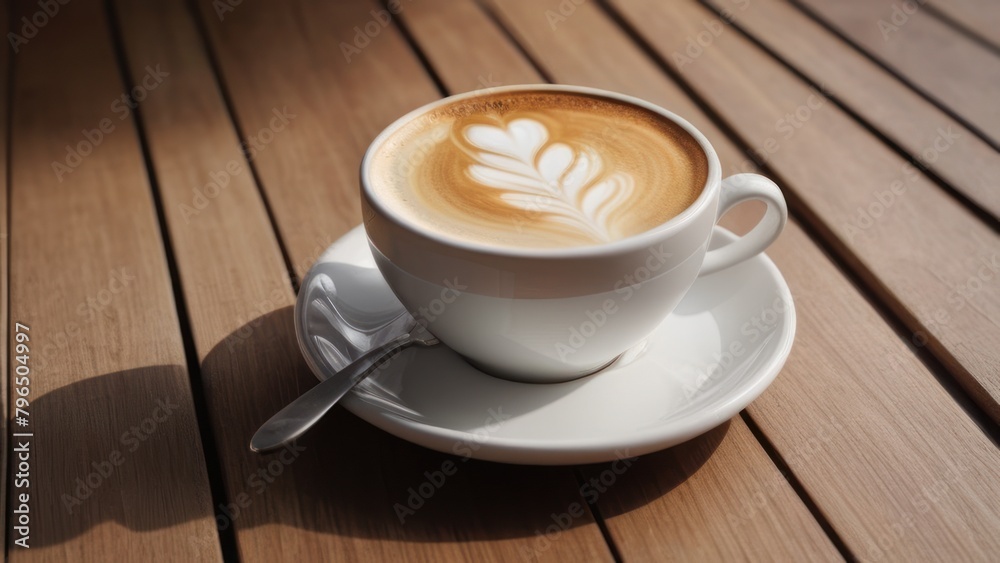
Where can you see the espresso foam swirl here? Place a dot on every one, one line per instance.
(539, 169)
(570, 186)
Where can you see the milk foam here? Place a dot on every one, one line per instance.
(539, 169)
(554, 179)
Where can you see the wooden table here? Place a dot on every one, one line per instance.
(173, 170)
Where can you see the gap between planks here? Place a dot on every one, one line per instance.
(874, 288)
(227, 537)
(898, 73)
(812, 224)
(977, 209)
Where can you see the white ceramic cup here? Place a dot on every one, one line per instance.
(550, 315)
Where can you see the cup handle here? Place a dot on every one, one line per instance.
(735, 190)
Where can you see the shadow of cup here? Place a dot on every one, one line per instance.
(114, 454)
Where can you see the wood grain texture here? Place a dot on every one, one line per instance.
(5, 321)
(900, 471)
(981, 17)
(228, 258)
(343, 85)
(117, 469)
(337, 499)
(466, 50)
(567, 51)
(933, 262)
(735, 507)
(934, 56)
(706, 479)
(969, 164)
(898, 468)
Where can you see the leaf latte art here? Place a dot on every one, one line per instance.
(539, 169)
(570, 186)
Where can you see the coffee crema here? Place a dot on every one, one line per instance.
(539, 169)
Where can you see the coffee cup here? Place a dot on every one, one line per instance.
(540, 231)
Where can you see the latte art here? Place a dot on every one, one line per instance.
(570, 186)
(539, 169)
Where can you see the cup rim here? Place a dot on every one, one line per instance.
(624, 245)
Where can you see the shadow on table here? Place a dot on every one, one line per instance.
(345, 477)
(120, 447)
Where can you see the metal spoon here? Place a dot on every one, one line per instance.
(301, 414)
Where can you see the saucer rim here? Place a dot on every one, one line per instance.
(594, 449)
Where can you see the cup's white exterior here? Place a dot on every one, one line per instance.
(545, 339)
(547, 315)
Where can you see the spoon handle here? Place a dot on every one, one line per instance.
(301, 414)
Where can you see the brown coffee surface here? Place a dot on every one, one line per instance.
(539, 169)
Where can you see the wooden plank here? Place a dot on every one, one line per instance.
(894, 463)
(970, 165)
(5, 320)
(938, 59)
(897, 467)
(228, 259)
(337, 500)
(705, 479)
(577, 54)
(744, 509)
(444, 30)
(117, 470)
(881, 215)
(311, 179)
(982, 17)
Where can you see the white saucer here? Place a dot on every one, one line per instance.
(661, 393)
